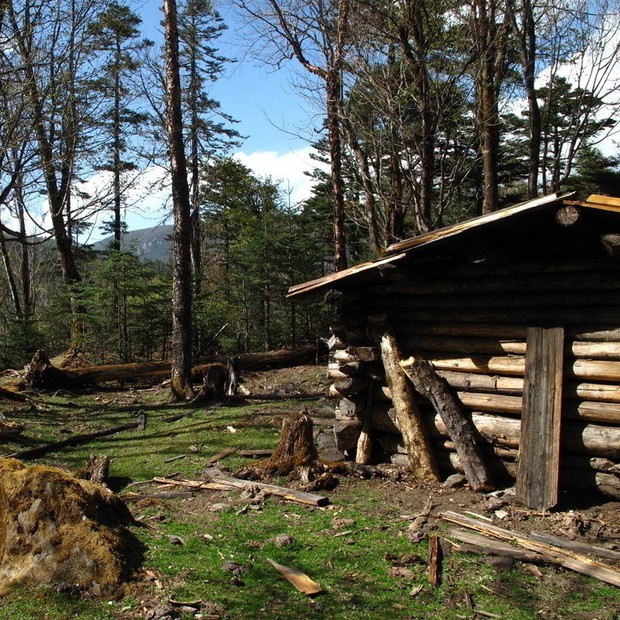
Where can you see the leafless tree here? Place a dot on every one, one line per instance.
(316, 33)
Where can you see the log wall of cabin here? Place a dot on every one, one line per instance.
(470, 321)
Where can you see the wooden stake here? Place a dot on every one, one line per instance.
(434, 560)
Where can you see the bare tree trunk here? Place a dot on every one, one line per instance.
(526, 34)
(333, 87)
(334, 33)
(490, 41)
(181, 239)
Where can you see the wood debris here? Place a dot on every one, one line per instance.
(293, 495)
(418, 528)
(219, 481)
(550, 553)
(299, 580)
(220, 455)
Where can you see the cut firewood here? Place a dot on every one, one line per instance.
(299, 580)
(551, 553)
(31, 453)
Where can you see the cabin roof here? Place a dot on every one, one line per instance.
(524, 219)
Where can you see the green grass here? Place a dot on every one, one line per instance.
(367, 567)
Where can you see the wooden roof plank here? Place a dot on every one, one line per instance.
(481, 220)
(400, 250)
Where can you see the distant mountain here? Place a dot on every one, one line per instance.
(153, 244)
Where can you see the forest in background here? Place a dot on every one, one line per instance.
(433, 112)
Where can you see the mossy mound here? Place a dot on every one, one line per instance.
(55, 528)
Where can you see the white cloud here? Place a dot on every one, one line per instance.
(147, 196)
(286, 169)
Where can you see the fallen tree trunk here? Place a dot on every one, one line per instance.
(43, 375)
(9, 395)
(31, 453)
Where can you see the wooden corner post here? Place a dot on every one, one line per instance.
(539, 446)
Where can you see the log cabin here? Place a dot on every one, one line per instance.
(489, 347)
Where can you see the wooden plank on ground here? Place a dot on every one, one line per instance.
(551, 553)
(539, 454)
(292, 495)
(576, 546)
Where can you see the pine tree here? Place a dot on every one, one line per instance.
(117, 42)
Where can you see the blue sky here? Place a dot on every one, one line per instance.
(270, 113)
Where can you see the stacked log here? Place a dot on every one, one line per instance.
(469, 321)
(351, 368)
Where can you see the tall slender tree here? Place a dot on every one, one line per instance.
(118, 44)
(209, 129)
(317, 34)
(181, 261)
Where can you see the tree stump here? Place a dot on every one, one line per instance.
(214, 380)
(97, 469)
(296, 447)
(295, 450)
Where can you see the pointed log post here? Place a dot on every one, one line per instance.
(408, 418)
(430, 385)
